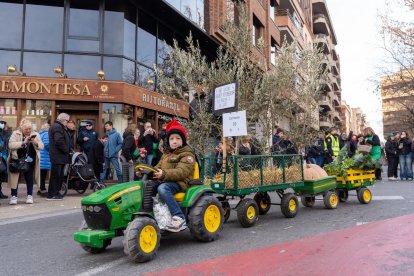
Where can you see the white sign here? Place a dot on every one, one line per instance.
(234, 124)
(225, 96)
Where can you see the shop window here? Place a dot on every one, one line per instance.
(121, 115)
(145, 77)
(38, 112)
(192, 9)
(8, 58)
(44, 18)
(146, 39)
(8, 112)
(40, 64)
(165, 42)
(272, 9)
(273, 48)
(11, 18)
(120, 27)
(83, 45)
(82, 66)
(119, 69)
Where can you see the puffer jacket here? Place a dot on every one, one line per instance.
(113, 145)
(44, 154)
(178, 166)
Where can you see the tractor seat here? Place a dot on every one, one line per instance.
(179, 197)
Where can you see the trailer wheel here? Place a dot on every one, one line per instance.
(307, 201)
(263, 202)
(364, 195)
(141, 239)
(289, 205)
(343, 195)
(247, 212)
(226, 209)
(330, 199)
(206, 219)
(90, 249)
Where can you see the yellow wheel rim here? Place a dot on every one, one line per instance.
(263, 204)
(212, 218)
(366, 195)
(251, 212)
(148, 239)
(333, 200)
(292, 205)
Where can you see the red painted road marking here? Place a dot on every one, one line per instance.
(379, 248)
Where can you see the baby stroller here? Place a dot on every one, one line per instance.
(79, 174)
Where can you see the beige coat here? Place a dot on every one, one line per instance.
(15, 143)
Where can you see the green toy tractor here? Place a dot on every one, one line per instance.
(127, 210)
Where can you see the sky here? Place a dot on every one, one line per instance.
(359, 45)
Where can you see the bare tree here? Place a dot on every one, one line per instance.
(289, 90)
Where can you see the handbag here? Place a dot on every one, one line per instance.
(18, 165)
(364, 148)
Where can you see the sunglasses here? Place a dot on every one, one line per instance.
(88, 125)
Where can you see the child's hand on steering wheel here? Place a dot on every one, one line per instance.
(158, 174)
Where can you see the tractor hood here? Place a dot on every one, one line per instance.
(113, 192)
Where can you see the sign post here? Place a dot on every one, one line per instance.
(225, 100)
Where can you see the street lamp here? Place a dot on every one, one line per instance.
(101, 74)
(58, 70)
(11, 69)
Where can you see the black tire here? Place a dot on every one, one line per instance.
(98, 186)
(90, 249)
(263, 202)
(307, 201)
(343, 195)
(364, 195)
(289, 205)
(64, 189)
(331, 200)
(134, 242)
(226, 209)
(247, 212)
(206, 208)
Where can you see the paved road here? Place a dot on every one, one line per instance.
(45, 246)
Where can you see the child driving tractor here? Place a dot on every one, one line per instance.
(175, 170)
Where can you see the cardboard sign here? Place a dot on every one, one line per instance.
(234, 124)
(225, 99)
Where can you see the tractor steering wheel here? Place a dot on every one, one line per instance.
(145, 169)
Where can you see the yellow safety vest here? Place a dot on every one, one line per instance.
(334, 145)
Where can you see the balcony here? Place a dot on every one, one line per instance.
(336, 116)
(320, 24)
(289, 26)
(323, 42)
(324, 123)
(336, 100)
(326, 103)
(334, 69)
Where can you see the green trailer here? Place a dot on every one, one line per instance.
(357, 180)
(256, 175)
(323, 186)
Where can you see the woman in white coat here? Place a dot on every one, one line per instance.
(25, 143)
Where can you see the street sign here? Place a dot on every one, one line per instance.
(234, 124)
(225, 98)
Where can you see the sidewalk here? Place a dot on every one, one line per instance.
(40, 205)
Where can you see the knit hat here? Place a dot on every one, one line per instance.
(175, 127)
(389, 135)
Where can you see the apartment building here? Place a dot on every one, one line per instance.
(397, 93)
(359, 120)
(325, 38)
(346, 117)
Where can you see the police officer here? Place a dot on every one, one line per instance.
(87, 137)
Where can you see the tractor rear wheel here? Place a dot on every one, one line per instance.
(206, 219)
(142, 239)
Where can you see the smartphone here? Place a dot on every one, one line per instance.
(33, 136)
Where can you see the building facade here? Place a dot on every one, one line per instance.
(346, 117)
(397, 93)
(325, 38)
(95, 59)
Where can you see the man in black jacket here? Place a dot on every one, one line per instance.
(391, 154)
(147, 140)
(59, 146)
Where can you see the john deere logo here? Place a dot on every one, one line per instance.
(104, 88)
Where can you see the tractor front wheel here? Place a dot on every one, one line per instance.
(142, 239)
(206, 219)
